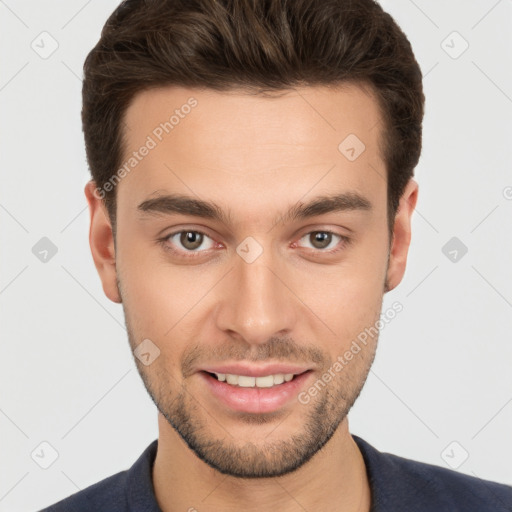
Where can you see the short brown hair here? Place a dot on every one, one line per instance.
(255, 45)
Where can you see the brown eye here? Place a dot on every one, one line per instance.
(188, 242)
(320, 239)
(326, 242)
(191, 240)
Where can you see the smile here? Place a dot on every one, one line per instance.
(255, 394)
(246, 381)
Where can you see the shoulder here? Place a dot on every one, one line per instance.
(108, 494)
(127, 490)
(425, 487)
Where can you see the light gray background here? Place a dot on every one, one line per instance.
(443, 367)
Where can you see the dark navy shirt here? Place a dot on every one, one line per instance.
(397, 484)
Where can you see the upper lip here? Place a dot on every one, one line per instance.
(252, 370)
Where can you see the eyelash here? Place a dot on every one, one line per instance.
(344, 241)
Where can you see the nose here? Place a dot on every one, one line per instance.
(257, 301)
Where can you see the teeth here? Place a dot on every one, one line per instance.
(244, 381)
(279, 378)
(232, 379)
(265, 382)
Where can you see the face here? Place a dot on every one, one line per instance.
(252, 241)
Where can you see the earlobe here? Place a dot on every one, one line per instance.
(401, 236)
(101, 241)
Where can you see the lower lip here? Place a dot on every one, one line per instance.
(255, 400)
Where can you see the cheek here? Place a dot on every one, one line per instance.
(347, 305)
(357, 278)
(148, 292)
(162, 301)
(347, 297)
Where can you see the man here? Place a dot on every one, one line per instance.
(250, 205)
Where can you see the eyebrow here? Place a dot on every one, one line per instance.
(170, 204)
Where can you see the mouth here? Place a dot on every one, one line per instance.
(248, 381)
(255, 394)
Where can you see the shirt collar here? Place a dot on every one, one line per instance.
(383, 471)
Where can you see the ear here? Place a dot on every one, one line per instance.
(401, 236)
(101, 240)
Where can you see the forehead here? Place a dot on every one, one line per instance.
(208, 143)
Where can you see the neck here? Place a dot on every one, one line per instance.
(335, 480)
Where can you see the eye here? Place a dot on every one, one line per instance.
(189, 240)
(322, 240)
(190, 243)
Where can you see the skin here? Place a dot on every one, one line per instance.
(254, 156)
